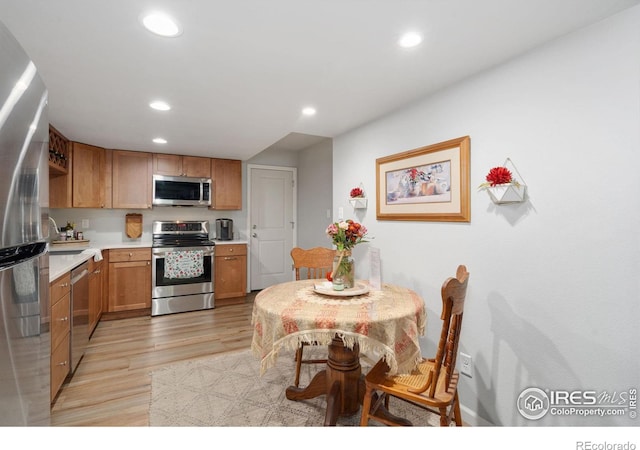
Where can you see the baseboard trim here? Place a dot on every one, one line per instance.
(472, 419)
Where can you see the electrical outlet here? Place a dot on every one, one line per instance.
(466, 365)
(85, 224)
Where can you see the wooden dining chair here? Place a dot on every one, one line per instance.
(433, 385)
(312, 263)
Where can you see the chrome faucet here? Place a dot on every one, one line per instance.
(55, 225)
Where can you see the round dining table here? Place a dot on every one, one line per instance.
(382, 323)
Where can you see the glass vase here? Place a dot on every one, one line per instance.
(344, 270)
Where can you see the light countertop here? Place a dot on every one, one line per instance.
(61, 260)
(61, 263)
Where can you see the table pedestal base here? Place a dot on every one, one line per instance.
(341, 381)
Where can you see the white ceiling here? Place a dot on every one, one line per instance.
(242, 70)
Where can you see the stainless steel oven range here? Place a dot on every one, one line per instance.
(183, 267)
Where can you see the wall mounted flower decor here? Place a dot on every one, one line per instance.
(357, 197)
(502, 186)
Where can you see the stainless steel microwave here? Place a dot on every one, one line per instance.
(181, 191)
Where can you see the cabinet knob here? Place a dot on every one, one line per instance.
(63, 363)
(148, 263)
(130, 255)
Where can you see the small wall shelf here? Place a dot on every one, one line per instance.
(358, 202)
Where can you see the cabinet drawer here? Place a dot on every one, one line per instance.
(59, 365)
(129, 254)
(60, 320)
(231, 249)
(59, 287)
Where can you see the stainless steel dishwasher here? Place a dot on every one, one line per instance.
(79, 313)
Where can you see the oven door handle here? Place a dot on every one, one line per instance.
(163, 254)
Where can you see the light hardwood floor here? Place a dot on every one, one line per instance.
(112, 384)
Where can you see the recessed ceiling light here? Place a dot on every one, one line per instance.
(309, 111)
(409, 40)
(161, 24)
(160, 141)
(160, 105)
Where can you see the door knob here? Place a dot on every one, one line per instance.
(254, 235)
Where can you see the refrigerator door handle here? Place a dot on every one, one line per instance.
(15, 255)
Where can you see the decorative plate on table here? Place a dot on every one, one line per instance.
(326, 288)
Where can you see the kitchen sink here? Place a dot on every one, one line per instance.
(65, 251)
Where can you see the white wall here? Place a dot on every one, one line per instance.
(315, 194)
(553, 293)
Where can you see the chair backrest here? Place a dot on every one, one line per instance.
(454, 292)
(316, 262)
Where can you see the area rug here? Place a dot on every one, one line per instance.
(227, 391)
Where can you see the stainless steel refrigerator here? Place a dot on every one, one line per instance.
(24, 260)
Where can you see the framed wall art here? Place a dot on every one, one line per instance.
(429, 183)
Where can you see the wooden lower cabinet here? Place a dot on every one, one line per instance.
(129, 279)
(96, 286)
(60, 294)
(230, 269)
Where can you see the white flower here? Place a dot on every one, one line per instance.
(343, 225)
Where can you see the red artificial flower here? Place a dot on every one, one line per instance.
(499, 175)
(356, 192)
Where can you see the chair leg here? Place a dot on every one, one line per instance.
(456, 410)
(444, 417)
(366, 406)
(298, 366)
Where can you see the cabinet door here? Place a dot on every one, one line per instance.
(88, 175)
(129, 285)
(230, 271)
(95, 294)
(167, 164)
(196, 166)
(60, 365)
(226, 176)
(60, 323)
(132, 179)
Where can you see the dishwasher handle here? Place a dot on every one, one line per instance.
(78, 274)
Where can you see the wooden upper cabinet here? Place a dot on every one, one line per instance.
(196, 166)
(181, 166)
(90, 177)
(226, 177)
(131, 183)
(167, 164)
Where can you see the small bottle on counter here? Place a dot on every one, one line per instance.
(69, 230)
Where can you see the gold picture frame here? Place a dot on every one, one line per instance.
(429, 183)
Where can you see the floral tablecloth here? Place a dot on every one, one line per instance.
(384, 323)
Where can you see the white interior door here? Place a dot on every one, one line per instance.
(271, 224)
